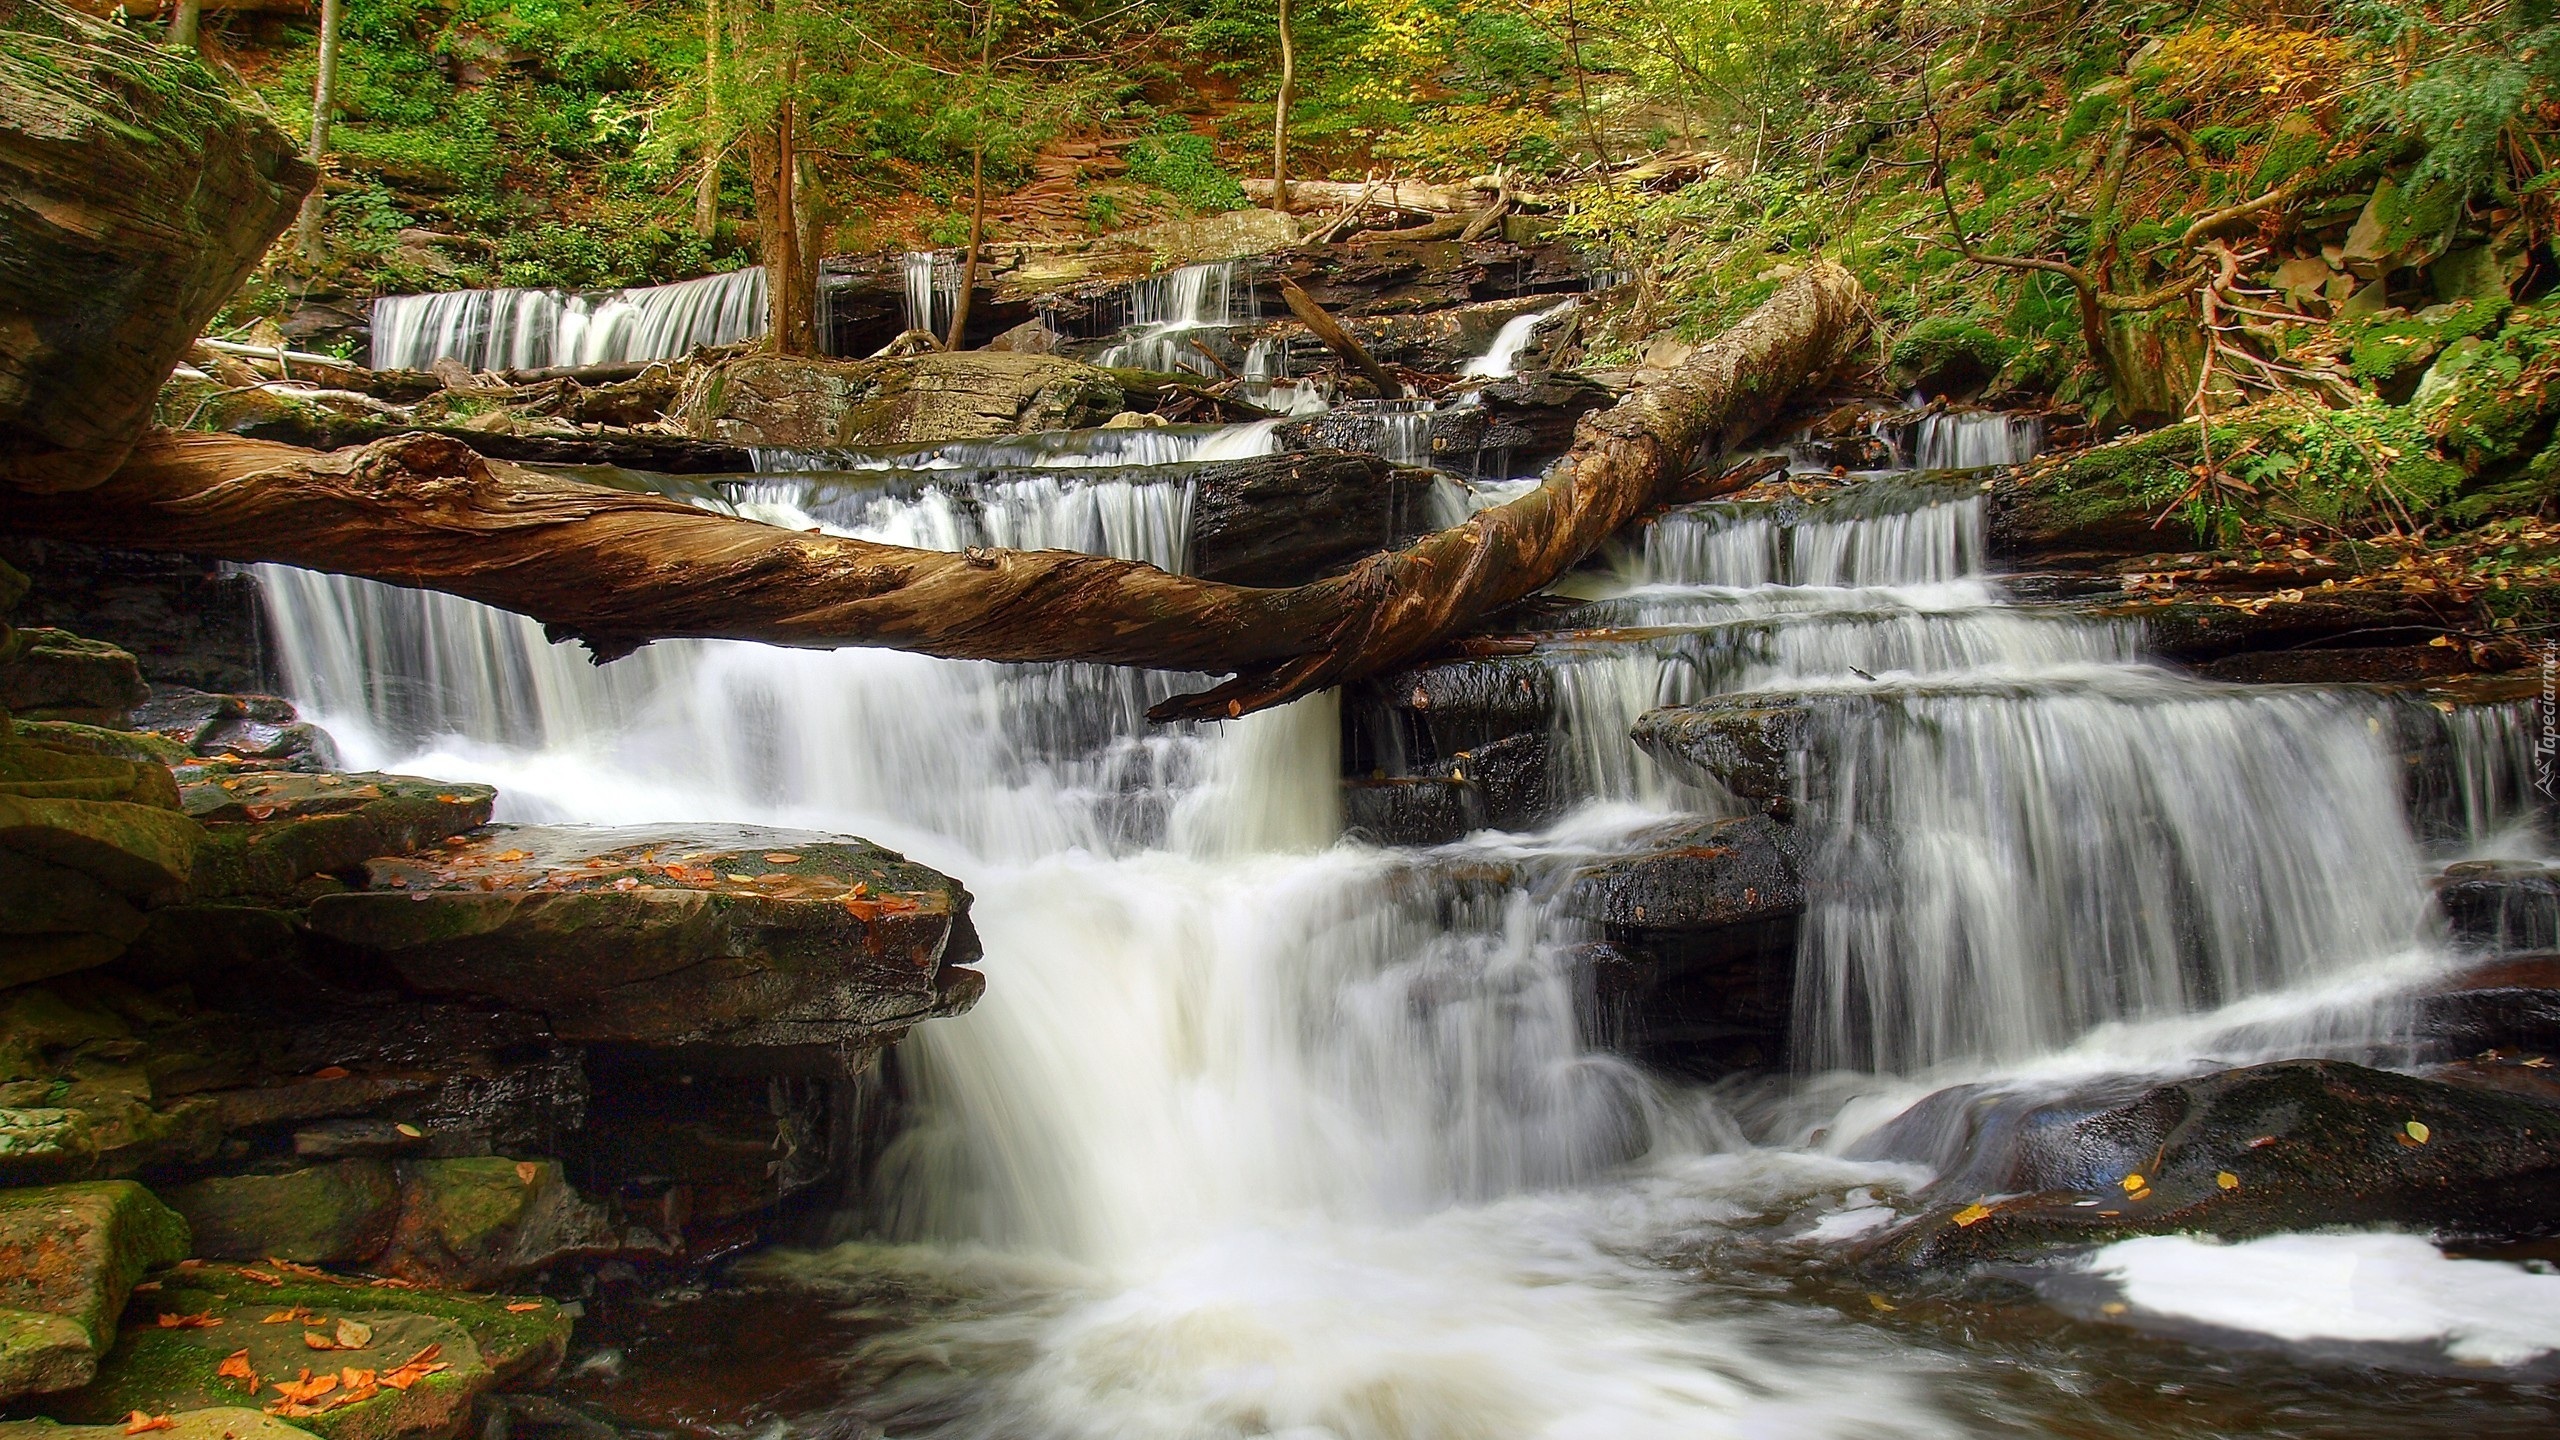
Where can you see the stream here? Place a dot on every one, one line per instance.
(1264, 1129)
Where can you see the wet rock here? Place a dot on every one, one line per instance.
(77, 1096)
(1511, 427)
(141, 852)
(219, 1422)
(781, 401)
(2303, 1144)
(2501, 904)
(2508, 1005)
(270, 831)
(1699, 945)
(73, 1253)
(238, 728)
(1286, 519)
(698, 1146)
(465, 1080)
(159, 1370)
(186, 621)
(321, 1214)
(484, 1220)
(55, 920)
(137, 747)
(709, 935)
(1028, 338)
(1753, 747)
(56, 675)
(1414, 716)
(1407, 809)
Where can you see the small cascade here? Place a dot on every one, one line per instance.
(1502, 359)
(1964, 439)
(932, 290)
(1162, 315)
(1404, 435)
(535, 329)
(1135, 519)
(1877, 536)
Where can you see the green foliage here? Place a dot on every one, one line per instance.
(1947, 353)
(2497, 61)
(1186, 167)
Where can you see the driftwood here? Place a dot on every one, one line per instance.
(1340, 341)
(617, 569)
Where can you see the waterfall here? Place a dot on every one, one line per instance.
(1502, 359)
(932, 290)
(1162, 315)
(1910, 538)
(1965, 440)
(534, 329)
(1078, 449)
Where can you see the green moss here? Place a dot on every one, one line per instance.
(522, 1346)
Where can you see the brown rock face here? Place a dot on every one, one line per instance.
(972, 395)
(137, 198)
(712, 935)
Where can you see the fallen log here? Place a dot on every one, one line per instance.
(1415, 195)
(617, 569)
(1340, 341)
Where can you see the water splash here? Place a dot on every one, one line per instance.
(1164, 314)
(1501, 360)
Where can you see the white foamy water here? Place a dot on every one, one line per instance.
(2360, 1289)
(1162, 315)
(1258, 1133)
(532, 329)
(1501, 359)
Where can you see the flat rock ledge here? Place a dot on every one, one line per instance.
(671, 936)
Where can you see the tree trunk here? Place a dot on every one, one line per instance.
(1340, 341)
(134, 199)
(1280, 116)
(706, 191)
(791, 286)
(324, 105)
(183, 23)
(618, 569)
(977, 239)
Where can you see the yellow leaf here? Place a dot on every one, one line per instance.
(527, 1171)
(1878, 1301)
(2418, 1131)
(2134, 1182)
(779, 858)
(2226, 1179)
(354, 1335)
(1972, 1215)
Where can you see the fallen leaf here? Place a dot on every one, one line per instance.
(306, 1389)
(235, 1366)
(2114, 1307)
(319, 1341)
(205, 1321)
(287, 1317)
(412, 1131)
(1972, 1215)
(1878, 1301)
(420, 1366)
(2418, 1131)
(524, 1305)
(510, 857)
(332, 1072)
(2133, 1182)
(261, 1277)
(354, 1335)
(2226, 1180)
(138, 1422)
(527, 1171)
(781, 858)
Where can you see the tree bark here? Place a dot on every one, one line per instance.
(706, 190)
(324, 105)
(183, 23)
(1280, 115)
(977, 240)
(791, 287)
(1340, 341)
(617, 569)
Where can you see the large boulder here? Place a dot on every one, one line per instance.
(485, 1220)
(217, 1422)
(137, 198)
(712, 935)
(56, 675)
(1283, 520)
(2294, 1145)
(340, 1213)
(78, 1097)
(269, 831)
(69, 1257)
(783, 401)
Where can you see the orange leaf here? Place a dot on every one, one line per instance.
(330, 1072)
(781, 858)
(188, 1322)
(287, 1317)
(138, 1422)
(261, 1277)
(522, 1306)
(306, 1389)
(319, 1341)
(235, 1366)
(1972, 1215)
(527, 1171)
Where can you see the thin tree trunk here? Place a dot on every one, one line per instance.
(1280, 115)
(184, 22)
(618, 569)
(977, 238)
(790, 282)
(324, 105)
(1340, 341)
(706, 191)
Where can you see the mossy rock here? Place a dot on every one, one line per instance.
(969, 395)
(74, 1252)
(56, 675)
(77, 1103)
(141, 852)
(158, 1369)
(268, 832)
(55, 920)
(484, 1220)
(139, 746)
(1947, 355)
(221, 1422)
(520, 1338)
(319, 1214)
(34, 770)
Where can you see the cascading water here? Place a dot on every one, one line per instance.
(1162, 316)
(932, 290)
(1966, 439)
(533, 329)
(1260, 1133)
(1502, 359)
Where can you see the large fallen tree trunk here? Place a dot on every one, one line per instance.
(617, 569)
